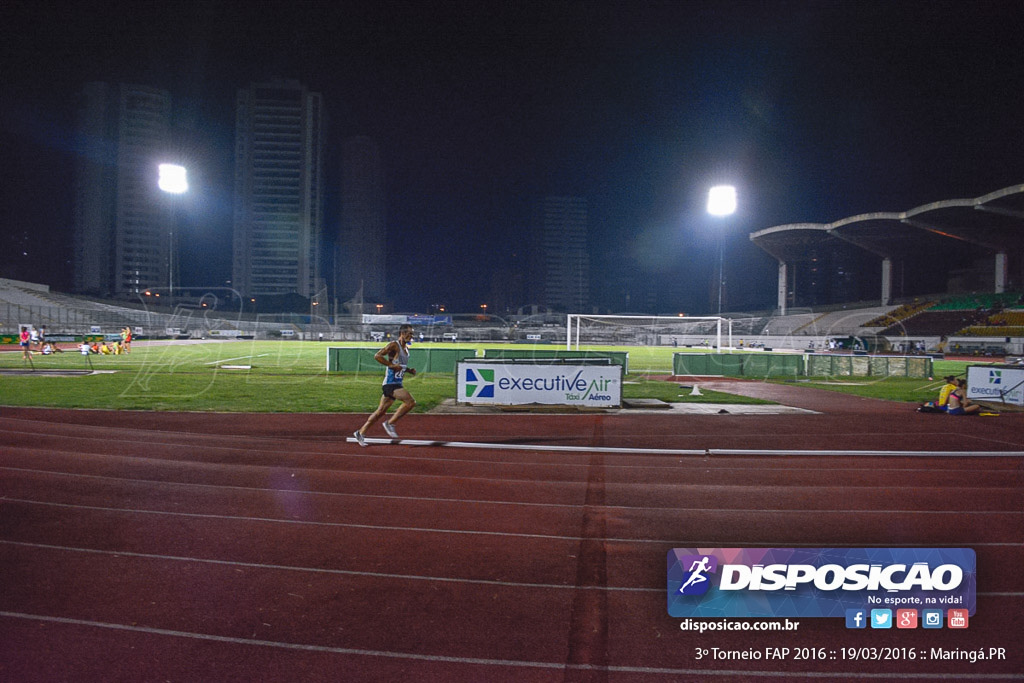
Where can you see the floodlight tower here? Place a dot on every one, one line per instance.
(721, 202)
(172, 179)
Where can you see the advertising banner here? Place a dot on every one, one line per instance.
(593, 386)
(818, 582)
(999, 383)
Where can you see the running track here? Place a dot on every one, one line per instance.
(213, 547)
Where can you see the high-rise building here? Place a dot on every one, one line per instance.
(360, 257)
(561, 260)
(279, 180)
(122, 220)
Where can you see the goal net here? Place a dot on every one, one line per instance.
(652, 330)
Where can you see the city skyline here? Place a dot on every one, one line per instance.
(122, 221)
(813, 110)
(278, 200)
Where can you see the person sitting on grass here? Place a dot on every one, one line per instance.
(959, 404)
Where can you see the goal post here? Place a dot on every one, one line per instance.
(646, 330)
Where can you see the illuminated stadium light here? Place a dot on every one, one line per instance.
(722, 200)
(173, 179)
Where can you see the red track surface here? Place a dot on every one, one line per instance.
(212, 547)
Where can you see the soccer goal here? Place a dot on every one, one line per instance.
(648, 330)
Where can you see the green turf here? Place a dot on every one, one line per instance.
(907, 389)
(290, 376)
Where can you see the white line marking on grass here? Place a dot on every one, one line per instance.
(228, 360)
(682, 451)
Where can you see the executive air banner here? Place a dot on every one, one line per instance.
(818, 582)
(594, 386)
(996, 383)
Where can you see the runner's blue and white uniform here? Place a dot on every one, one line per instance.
(395, 377)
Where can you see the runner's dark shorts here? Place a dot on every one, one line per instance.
(389, 389)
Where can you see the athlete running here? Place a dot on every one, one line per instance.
(395, 356)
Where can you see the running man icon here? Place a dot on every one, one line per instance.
(697, 570)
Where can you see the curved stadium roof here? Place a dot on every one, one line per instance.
(994, 220)
(993, 223)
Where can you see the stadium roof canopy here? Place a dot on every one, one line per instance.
(993, 223)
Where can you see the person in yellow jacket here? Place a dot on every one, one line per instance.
(945, 391)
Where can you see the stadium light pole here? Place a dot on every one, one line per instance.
(172, 179)
(721, 202)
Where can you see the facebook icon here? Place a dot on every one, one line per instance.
(856, 618)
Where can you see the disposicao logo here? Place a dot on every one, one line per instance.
(479, 383)
(817, 582)
(696, 581)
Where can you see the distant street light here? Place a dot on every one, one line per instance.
(721, 202)
(172, 179)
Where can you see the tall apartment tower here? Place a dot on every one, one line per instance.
(560, 255)
(279, 181)
(360, 257)
(122, 219)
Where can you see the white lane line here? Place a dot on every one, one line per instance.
(352, 572)
(685, 451)
(190, 439)
(451, 659)
(438, 499)
(477, 532)
(320, 570)
(581, 463)
(298, 522)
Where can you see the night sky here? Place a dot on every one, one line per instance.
(814, 110)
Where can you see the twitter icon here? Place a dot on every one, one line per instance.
(881, 618)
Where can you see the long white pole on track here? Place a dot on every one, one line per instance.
(689, 451)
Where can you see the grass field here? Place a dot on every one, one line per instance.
(291, 376)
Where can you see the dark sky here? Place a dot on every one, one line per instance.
(815, 110)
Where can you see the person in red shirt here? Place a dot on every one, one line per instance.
(24, 338)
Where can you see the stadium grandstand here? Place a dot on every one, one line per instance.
(26, 303)
(951, 246)
(948, 274)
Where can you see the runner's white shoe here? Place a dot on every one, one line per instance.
(360, 438)
(390, 429)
